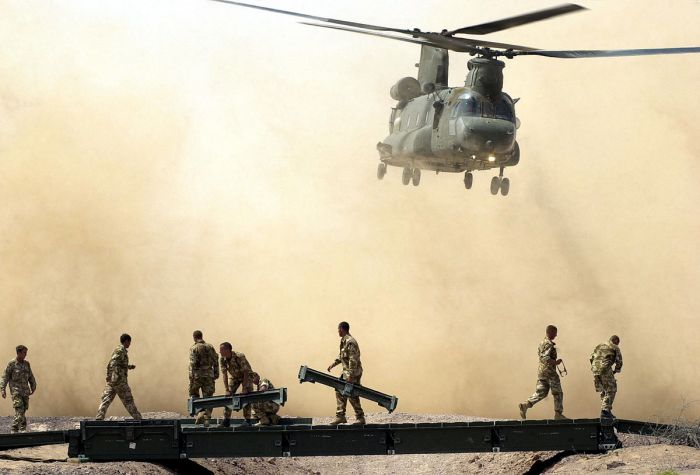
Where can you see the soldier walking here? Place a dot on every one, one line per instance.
(265, 412)
(118, 381)
(606, 360)
(18, 374)
(203, 372)
(547, 377)
(349, 357)
(236, 372)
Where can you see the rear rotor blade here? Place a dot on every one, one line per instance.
(518, 20)
(382, 35)
(609, 53)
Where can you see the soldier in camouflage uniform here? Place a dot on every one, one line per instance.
(266, 411)
(604, 357)
(352, 372)
(547, 377)
(19, 376)
(203, 372)
(117, 381)
(236, 372)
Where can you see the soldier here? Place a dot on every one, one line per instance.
(19, 376)
(236, 372)
(547, 377)
(352, 373)
(266, 411)
(117, 381)
(603, 358)
(203, 371)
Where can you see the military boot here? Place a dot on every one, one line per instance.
(340, 419)
(264, 421)
(523, 406)
(200, 418)
(559, 416)
(225, 422)
(359, 421)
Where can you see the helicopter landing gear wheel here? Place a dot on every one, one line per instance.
(505, 186)
(468, 180)
(416, 176)
(495, 185)
(406, 177)
(381, 170)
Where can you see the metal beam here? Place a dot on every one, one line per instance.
(307, 374)
(236, 401)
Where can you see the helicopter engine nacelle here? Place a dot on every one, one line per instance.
(405, 89)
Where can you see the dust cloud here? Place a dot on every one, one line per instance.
(168, 166)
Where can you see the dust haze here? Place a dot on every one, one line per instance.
(168, 166)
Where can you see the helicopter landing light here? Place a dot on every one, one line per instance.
(492, 158)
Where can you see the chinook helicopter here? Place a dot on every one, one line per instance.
(458, 129)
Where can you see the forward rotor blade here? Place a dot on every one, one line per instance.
(318, 18)
(607, 53)
(518, 20)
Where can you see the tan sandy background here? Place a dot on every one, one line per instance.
(167, 166)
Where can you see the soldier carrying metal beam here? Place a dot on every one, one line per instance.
(349, 357)
(235, 371)
(265, 412)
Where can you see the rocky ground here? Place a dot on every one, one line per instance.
(641, 455)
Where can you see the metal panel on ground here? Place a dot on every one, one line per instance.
(32, 439)
(338, 440)
(441, 437)
(129, 440)
(579, 435)
(238, 442)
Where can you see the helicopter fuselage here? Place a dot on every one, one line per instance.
(452, 130)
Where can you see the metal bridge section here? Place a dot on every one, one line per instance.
(173, 439)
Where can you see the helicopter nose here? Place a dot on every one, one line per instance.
(497, 136)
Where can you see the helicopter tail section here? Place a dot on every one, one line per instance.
(433, 68)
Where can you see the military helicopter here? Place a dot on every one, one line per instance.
(458, 129)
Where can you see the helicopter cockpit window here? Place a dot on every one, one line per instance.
(467, 106)
(504, 110)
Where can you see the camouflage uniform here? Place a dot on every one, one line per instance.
(19, 376)
(350, 358)
(203, 371)
(603, 358)
(268, 409)
(118, 384)
(547, 377)
(233, 369)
